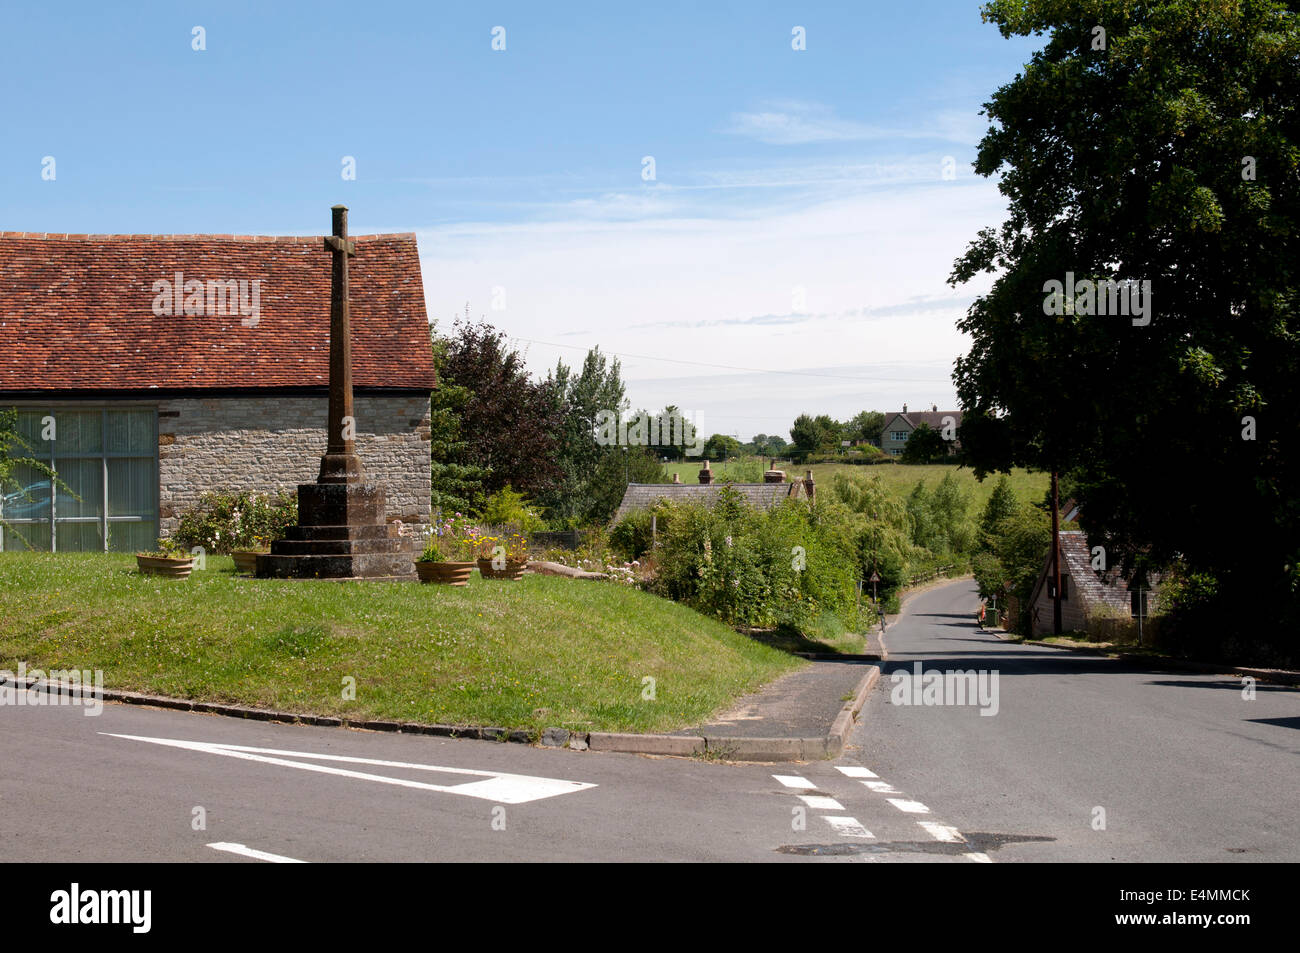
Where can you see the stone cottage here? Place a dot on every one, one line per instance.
(147, 369)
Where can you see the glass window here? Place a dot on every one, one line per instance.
(103, 456)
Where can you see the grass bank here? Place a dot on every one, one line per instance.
(544, 651)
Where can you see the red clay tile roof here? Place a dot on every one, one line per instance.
(76, 313)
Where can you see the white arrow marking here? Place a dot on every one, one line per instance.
(255, 854)
(496, 786)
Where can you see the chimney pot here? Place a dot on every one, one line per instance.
(706, 473)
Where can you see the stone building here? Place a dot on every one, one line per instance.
(148, 369)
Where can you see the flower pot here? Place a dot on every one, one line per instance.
(246, 560)
(446, 573)
(514, 569)
(175, 568)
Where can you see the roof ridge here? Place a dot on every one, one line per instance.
(217, 237)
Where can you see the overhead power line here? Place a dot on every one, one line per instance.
(735, 367)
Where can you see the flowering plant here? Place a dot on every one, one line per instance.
(515, 546)
(451, 540)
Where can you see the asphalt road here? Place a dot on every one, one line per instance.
(1185, 769)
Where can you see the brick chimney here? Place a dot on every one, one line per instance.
(934, 408)
(706, 473)
(809, 486)
(772, 474)
(905, 408)
(676, 478)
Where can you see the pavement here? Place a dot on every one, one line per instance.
(801, 704)
(1182, 768)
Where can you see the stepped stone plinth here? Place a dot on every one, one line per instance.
(341, 532)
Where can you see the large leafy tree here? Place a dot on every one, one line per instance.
(1151, 142)
(581, 397)
(493, 425)
(820, 434)
(925, 445)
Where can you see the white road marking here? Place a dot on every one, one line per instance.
(848, 826)
(255, 854)
(498, 786)
(942, 832)
(794, 781)
(882, 787)
(818, 803)
(908, 807)
(853, 771)
(979, 858)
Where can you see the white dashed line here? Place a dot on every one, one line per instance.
(882, 787)
(848, 827)
(794, 781)
(979, 858)
(853, 771)
(908, 807)
(255, 854)
(942, 832)
(819, 803)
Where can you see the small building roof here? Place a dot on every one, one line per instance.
(1105, 588)
(642, 496)
(933, 418)
(77, 314)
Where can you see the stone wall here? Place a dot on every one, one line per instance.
(262, 444)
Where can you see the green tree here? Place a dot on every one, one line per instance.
(505, 424)
(720, 447)
(1170, 153)
(811, 435)
(597, 388)
(865, 425)
(925, 445)
(1002, 503)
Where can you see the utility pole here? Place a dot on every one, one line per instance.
(1056, 557)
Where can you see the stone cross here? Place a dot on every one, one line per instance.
(340, 463)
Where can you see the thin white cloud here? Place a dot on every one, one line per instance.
(794, 122)
(843, 277)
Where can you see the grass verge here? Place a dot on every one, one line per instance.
(545, 651)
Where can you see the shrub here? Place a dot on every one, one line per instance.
(785, 566)
(226, 522)
(505, 507)
(632, 536)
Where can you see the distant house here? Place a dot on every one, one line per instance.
(898, 427)
(765, 495)
(1084, 591)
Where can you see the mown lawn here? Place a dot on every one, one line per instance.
(544, 651)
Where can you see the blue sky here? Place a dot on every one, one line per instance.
(797, 221)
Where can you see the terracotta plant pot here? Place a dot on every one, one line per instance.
(246, 559)
(175, 568)
(445, 573)
(514, 569)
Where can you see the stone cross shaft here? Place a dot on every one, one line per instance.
(340, 463)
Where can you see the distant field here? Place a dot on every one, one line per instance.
(1029, 486)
